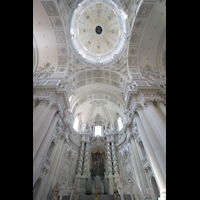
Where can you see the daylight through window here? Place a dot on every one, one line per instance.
(97, 130)
(76, 122)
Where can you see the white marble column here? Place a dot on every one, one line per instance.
(35, 104)
(158, 150)
(86, 159)
(48, 184)
(140, 174)
(80, 160)
(37, 140)
(109, 162)
(41, 154)
(161, 106)
(157, 124)
(39, 115)
(114, 157)
(159, 176)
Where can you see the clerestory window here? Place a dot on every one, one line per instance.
(97, 130)
(120, 125)
(76, 123)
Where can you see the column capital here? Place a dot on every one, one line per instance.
(54, 107)
(160, 101)
(36, 100)
(134, 115)
(44, 102)
(58, 114)
(148, 102)
(139, 107)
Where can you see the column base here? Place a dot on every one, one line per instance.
(111, 184)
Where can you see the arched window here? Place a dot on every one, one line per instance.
(119, 122)
(97, 130)
(76, 123)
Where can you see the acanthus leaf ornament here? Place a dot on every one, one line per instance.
(43, 72)
(154, 78)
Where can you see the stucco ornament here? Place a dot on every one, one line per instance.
(43, 72)
(55, 192)
(154, 78)
(76, 192)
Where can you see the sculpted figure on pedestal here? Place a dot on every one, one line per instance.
(76, 192)
(54, 192)
(154, 78)
(116, 192)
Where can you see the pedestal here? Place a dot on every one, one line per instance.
(111, 184)
(81, 180)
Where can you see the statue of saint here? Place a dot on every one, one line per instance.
(55, 192)
(116, 192)
(76, 192)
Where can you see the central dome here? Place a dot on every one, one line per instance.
(98, 31)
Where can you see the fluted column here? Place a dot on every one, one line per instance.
(157, 124)
(37, 140)
(159, 176)
(35, 104)
(80, 160)
(114, 157)
(162, 107)
(160, 155)
(137, 164)
(39, 158)
(86, 158)
(140, 174)
(39, 115)
(109, 162)
(48, 184)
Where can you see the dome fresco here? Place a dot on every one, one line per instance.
(98, 31)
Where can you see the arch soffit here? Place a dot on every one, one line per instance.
(161, 63)
(57, 25)
(97, 76)
(136, 35)
(96, 97)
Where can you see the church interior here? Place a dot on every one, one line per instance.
(99, 99)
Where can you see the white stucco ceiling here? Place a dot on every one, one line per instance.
(44, 36)
(96, 47)
(152, 34)
(88, 84)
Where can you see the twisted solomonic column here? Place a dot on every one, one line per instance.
(115, 163)
(109, 158)
(80, 160)
(86, 157)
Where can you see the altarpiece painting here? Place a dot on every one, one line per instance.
(97, 167)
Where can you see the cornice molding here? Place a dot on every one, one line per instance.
(143, 92)
(47, 90)
(123, 138)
